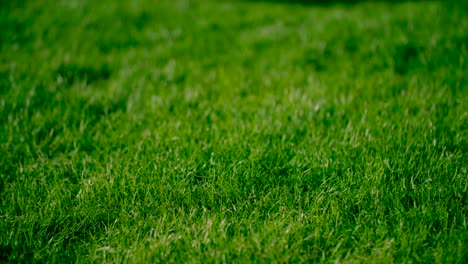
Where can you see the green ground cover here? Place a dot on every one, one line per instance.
(237, 131)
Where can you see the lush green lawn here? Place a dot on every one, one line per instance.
(237, 131)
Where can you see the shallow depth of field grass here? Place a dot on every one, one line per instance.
(233, 131)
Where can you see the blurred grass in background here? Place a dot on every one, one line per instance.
(237, 131)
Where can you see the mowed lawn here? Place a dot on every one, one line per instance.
(233, 131)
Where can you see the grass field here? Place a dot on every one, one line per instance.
(233, 131)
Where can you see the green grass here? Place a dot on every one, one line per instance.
(233, 131)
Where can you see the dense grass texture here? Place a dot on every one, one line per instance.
(233, 131)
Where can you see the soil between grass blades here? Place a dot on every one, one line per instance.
(233, 131)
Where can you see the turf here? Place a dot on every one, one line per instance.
(233, 131)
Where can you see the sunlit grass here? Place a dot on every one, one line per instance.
(237, 131)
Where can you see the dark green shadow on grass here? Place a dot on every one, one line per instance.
(462, 5)
(327, 2)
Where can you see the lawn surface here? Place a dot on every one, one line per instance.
(237, 131)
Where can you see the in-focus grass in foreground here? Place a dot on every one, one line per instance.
(233, 131)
